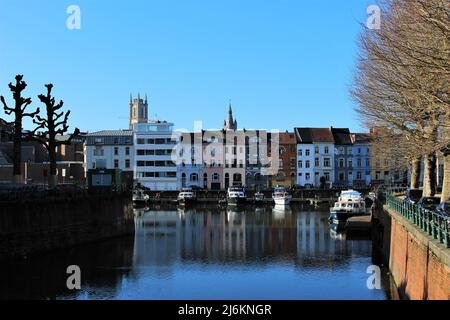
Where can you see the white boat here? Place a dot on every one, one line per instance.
(186, 196)
(258, 198)
(139, 197)
(281, 196)
(350, 203)
(236, 195)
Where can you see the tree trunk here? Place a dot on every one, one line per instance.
(17, 153)
(445, 196)
(53, 179)
(429, 177)
(415, 173)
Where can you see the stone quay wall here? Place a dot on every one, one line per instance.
(32, 226)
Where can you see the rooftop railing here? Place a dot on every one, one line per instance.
(435, 224)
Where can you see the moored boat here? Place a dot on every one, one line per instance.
(140, 198)
(236, 196)
(258, 198)
(186, 196)
(350, 203)
(281, 196)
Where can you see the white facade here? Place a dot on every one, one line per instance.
(154, 143)
(305, 164)
(109, 149)
(323, 163)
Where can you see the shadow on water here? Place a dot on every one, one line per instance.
(202, 253)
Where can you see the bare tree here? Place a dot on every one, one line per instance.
(50, 127)
(20, 113)
(402, 77)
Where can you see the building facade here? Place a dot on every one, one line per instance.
(155, 155)
(362, 159)
(111, 149)
(343, 157)
(287, 164)
(305, 157)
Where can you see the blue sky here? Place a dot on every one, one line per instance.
(282, 63)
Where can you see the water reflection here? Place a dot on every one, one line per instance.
(250, 253)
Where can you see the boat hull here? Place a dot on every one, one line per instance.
(234, 201)
(339, 217)
(282, 201)
(186, 201)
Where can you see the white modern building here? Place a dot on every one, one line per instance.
(154, 144)
(110, 149)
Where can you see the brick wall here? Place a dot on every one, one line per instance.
(419, 265)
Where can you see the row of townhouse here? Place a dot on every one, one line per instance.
(151, 153)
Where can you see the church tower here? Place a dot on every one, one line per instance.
(138, 110)
(230, 123)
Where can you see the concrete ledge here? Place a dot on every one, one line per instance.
(437, 248)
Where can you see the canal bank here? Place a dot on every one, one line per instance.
(419, 264)
(37, 225)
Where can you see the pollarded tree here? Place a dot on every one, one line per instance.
(49, 127)
(20, 113)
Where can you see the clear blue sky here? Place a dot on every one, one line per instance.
(283, 63)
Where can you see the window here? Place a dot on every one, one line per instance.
(116, 163)
(358, 162)
(367, 162)
(300, 164)
(300, 152)
(116, 151)
(326, 150)
(316, 162)
(215, 177)
(194, 177)
(307, 164)
(350, 163)
(127, 163)
(316, 149)
(327, 176)
(292, 163)
(98, 151)
(341, 163)
(140, 141)
(359, 175)
(307, 176)
(127, 151)
(307, 152)
(359, 150)
(326, 162)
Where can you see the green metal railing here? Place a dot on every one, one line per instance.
(433, 223)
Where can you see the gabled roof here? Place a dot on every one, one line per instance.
(361, 137)
(342, 136)
(312, 135)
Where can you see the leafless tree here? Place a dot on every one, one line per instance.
(50, 127)
(402, 77)
(20, 113)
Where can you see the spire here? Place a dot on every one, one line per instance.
(139, 96)
(131, 98)
(145, 98)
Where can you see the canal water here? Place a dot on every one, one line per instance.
(207, 253)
